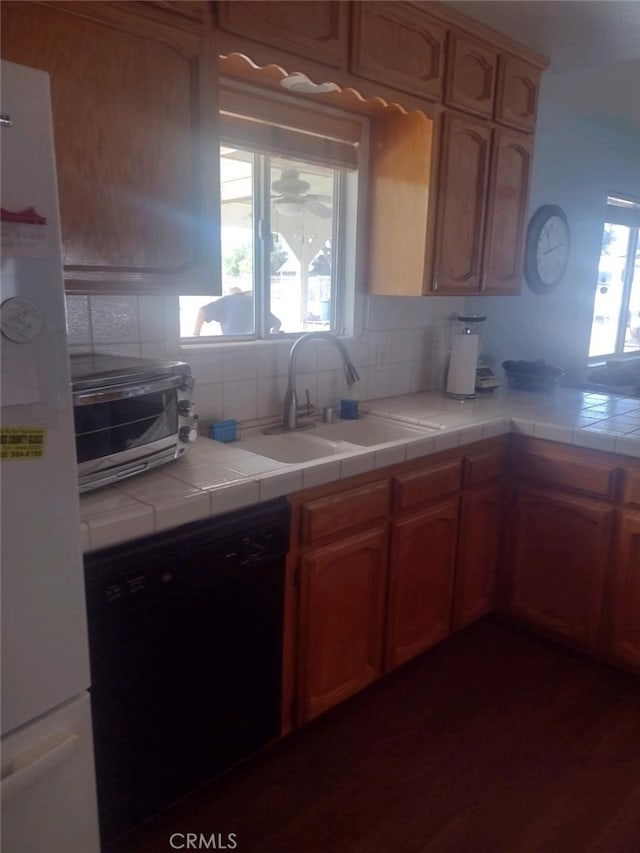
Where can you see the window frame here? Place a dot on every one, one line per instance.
(350, 204)
(626, 214)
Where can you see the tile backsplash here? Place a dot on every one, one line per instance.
(122, 325)
(404, 348)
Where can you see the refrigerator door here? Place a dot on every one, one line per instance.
(48, 792)
(44, 637)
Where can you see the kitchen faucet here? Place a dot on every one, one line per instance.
(291, 408)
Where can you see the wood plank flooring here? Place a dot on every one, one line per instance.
(496, 741)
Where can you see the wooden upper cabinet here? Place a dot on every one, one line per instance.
(401, 180)
(517, 96)
(399, 46)
(132, 130)
(464, 170)
(317, 29)
(471, 75)
(511, 160)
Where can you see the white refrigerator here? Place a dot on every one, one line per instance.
(48, 781)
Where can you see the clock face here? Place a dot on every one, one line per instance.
(552, 251)
(547, 248)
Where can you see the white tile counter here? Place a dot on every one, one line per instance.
(215, 478)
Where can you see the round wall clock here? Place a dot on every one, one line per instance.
(547, 248)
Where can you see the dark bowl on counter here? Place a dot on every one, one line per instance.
(531, 375)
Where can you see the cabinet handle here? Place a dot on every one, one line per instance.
(119, 392)
(435, 283)
(27, 768)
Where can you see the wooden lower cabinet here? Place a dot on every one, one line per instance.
(389, 564)
(623, 641)
(478, 554)
(342, 589)
(421, 565)
(561, 554)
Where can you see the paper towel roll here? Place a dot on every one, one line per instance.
(461, 379)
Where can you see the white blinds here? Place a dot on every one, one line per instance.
(273, 126)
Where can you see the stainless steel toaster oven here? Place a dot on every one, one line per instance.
(131, 414)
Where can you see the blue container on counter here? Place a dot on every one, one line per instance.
(224, 430)
(349, 410)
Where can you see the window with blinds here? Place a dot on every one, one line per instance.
(289, 189)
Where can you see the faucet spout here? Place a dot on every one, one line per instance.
(291, 408)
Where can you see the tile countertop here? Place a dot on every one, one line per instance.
(214, 478)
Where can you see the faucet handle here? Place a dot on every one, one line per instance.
(307, 409)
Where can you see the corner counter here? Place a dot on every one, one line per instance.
(215, 478)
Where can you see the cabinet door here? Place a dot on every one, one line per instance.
(339, 514)
(517, 97)
(399, 46)
(471, 75)
(461, 205)
(624, 601)
(478, 552)
(130, 132)
(401, 179)
(507, 212)
(341, 620)
(317, 29)
(561, 554)
(421, 565)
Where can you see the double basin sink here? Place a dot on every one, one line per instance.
(329, 439)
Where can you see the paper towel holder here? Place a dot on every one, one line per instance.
(461, 388)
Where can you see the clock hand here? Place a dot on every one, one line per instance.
(553, 248)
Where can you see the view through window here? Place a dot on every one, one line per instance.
(279, 249)
(615, 329)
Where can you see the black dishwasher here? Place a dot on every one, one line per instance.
(185, 637)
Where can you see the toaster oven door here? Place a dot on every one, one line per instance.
(125, 429)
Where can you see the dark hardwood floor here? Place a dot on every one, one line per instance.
(494, 742)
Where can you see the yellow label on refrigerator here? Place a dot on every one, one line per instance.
(22, 442)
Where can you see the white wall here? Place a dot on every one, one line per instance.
(577, 163)
(404, 348)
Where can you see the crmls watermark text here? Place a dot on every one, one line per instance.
(200, 841)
